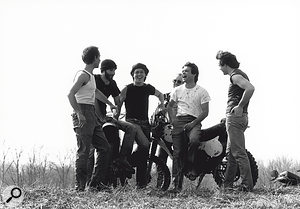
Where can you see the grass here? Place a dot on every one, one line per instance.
(129, 197)
(50, 185)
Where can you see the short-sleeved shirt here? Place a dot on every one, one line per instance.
(189, 101)
(235, 93)
(108, 90)
(137, 101)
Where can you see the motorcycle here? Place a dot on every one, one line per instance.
(211, 157)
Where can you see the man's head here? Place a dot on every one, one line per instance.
(227, 59)
(190, 71)
(178, 80)
(109, 67)
(91, 55)
(139, 72)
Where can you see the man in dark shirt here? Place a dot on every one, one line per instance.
(108, 86)
(239, 94)
(136, 98)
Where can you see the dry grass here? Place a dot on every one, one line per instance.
(129, 197)
(49, 185)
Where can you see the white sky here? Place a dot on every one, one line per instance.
(41, 44)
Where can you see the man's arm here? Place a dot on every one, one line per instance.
(121, 99)
(100, 96)
(118, 104)
(249, 90)
(160, 96)
(200, 118)
(170, 110)
(81, 80)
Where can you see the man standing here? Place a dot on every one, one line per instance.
(239, 93)
(192, 108)
(136, 98)
(82, 98)
(108, 86)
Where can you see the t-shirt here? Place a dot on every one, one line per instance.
(108, 90)
(189, 101)
(235, 93)
(137, 101)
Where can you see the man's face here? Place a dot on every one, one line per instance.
(109, 74)
(187, 75)
(97, 62)
(223, 69)
(177, 81)
(139, 75)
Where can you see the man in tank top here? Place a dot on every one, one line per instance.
(82, 99)
(239, 94)
(136, 98)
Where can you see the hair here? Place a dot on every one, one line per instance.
(108, 64)
(194, 70)
(89, 54)
(226, 58)
(139, 66)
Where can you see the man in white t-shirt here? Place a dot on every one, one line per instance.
(192, 108)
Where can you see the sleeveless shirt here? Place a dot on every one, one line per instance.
(86, 94)
(235, 92)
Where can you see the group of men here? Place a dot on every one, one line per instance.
(187, 107)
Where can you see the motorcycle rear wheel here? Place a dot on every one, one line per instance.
(219, 172)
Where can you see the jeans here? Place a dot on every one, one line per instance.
(183, 143)
(142, 139)
(126, 148)
(236, 126)
(90, 134)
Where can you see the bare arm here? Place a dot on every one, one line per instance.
(122, 98)
(200, 118)
(81, 80)
(117, 103)
(160, 96)
(100, 96)
(249, 90)
(170, 110)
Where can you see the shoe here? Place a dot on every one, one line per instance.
(126, 165)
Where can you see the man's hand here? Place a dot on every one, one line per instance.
(81, 119)
(237, 110)
(189, 126)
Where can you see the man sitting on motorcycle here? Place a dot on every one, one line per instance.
(192, 108)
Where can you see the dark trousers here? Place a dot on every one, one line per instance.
(90, 134)
(113, 138)
(183, 147)
(142, 139)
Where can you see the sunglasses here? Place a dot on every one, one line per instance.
(177, 81)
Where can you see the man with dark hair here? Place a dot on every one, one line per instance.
(88, 132)
(192, 108)
(163, 155)
(239, 94)
(108, 86)
(136, 98)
